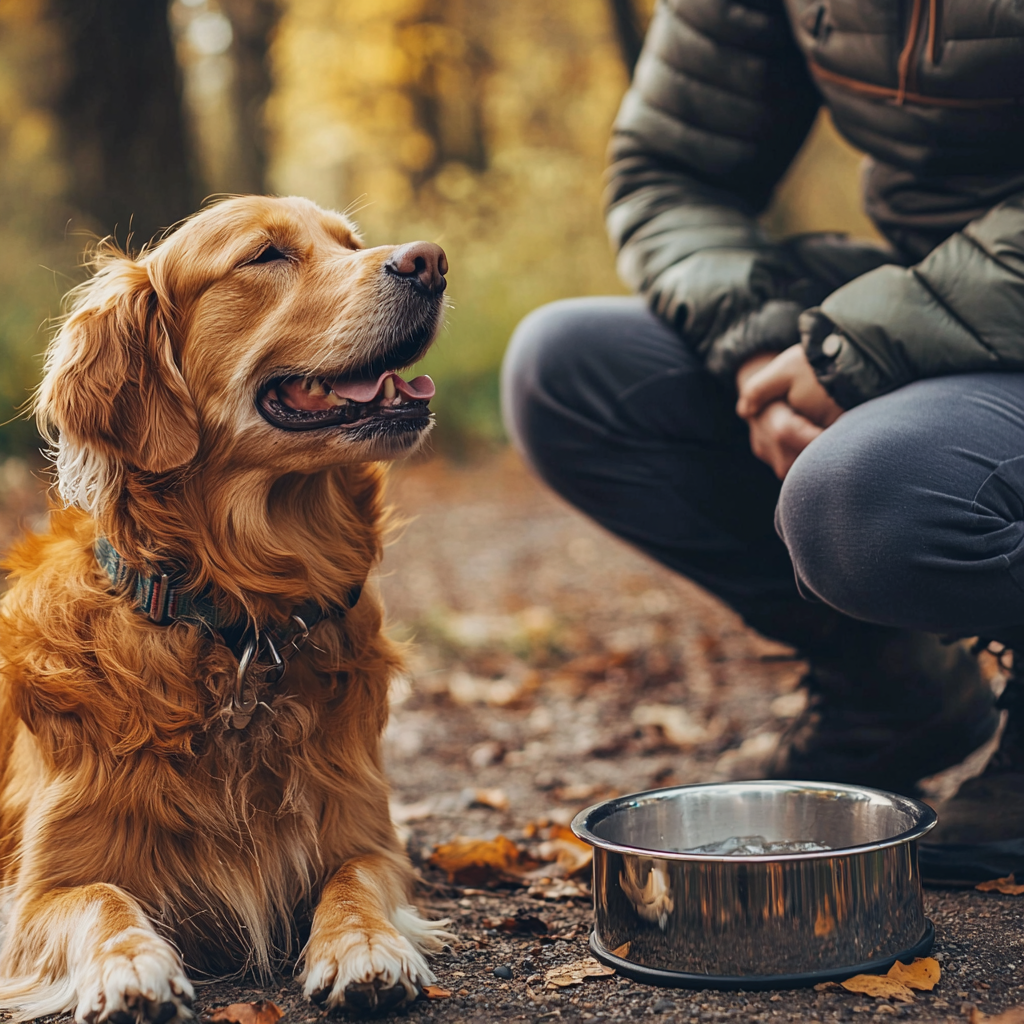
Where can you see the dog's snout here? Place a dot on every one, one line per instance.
(423, 263)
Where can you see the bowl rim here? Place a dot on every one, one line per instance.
(581, 823)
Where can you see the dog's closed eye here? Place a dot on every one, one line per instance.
(269, 255)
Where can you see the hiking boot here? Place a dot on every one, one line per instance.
(885, 709)
(980, 834)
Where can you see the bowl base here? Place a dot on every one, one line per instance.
(736, 982)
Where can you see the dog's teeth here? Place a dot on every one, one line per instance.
(316, 387)
(333, 399)
(389, 388)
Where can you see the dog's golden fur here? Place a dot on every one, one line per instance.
(131, 812)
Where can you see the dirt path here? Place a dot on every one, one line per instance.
(548, 657)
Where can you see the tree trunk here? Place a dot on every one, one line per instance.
(121, 116)
(253, 22)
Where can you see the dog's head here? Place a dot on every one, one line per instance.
(261, 334)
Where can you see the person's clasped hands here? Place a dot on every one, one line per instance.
(784, 404)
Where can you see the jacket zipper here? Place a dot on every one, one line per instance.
(906, 65)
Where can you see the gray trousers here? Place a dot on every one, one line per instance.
(908, 512)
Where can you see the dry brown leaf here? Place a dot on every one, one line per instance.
(401, 813)
(585, 792)
(466, 689)
(576, 973)
(621, 951)
(478, 861)
(824, 986)
(923, 974)
(433, 992)
(496, 799)
(1014, 1015)
(264, 1012)
(679, 727)
(521, 924)
(558, 889)
(572, 855)
(1007, 886)
(876, 985)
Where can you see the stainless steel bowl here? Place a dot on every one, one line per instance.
(672, 916)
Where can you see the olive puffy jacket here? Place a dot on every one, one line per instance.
(722, 98)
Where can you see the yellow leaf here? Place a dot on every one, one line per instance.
(1007, 886)
(478, 861)
(923, 974)
(877, 985)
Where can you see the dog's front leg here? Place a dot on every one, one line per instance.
(90, 949)
(366, 944)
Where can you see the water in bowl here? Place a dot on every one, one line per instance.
(756, 846)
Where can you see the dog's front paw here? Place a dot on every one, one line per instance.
(137, 978)
(368, 971)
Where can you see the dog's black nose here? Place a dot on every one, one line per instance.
(423, 263)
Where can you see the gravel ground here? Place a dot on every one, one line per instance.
(547, 659)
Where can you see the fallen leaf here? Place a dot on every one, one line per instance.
(572, 855)
(521, 924)
(466, 689)
(878, 985)
(402, 813)
(584, 792)
(479, 861)
(621, 951)
(1014, 1015)
(558, 889)
(824, 986)
(248, 1013)
(923, 974)
(748, 758)
(496, 799)
(486, 753)
(433, 992)
(1007, 886)
(789, 705)
(679, 727)
(575, 973)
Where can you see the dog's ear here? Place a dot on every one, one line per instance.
(112, 387)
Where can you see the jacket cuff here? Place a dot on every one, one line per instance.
(771, 328)
(840, 366)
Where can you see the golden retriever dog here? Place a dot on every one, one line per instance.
(193, 679)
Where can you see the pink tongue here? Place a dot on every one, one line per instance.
(421, 388)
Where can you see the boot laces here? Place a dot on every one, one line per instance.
(1009, 756)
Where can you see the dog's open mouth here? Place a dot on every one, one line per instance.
(309, 403)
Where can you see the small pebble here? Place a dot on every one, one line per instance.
(502, 972)
(664, 1006)
(529, 966)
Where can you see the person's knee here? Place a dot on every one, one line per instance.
(836, 516)
(544, 363)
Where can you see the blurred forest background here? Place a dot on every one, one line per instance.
(478, 124)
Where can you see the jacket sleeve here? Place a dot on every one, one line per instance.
(960, 310)
(720, 102)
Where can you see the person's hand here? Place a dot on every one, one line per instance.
(784, 405)
(778, 435)
(789, 378)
